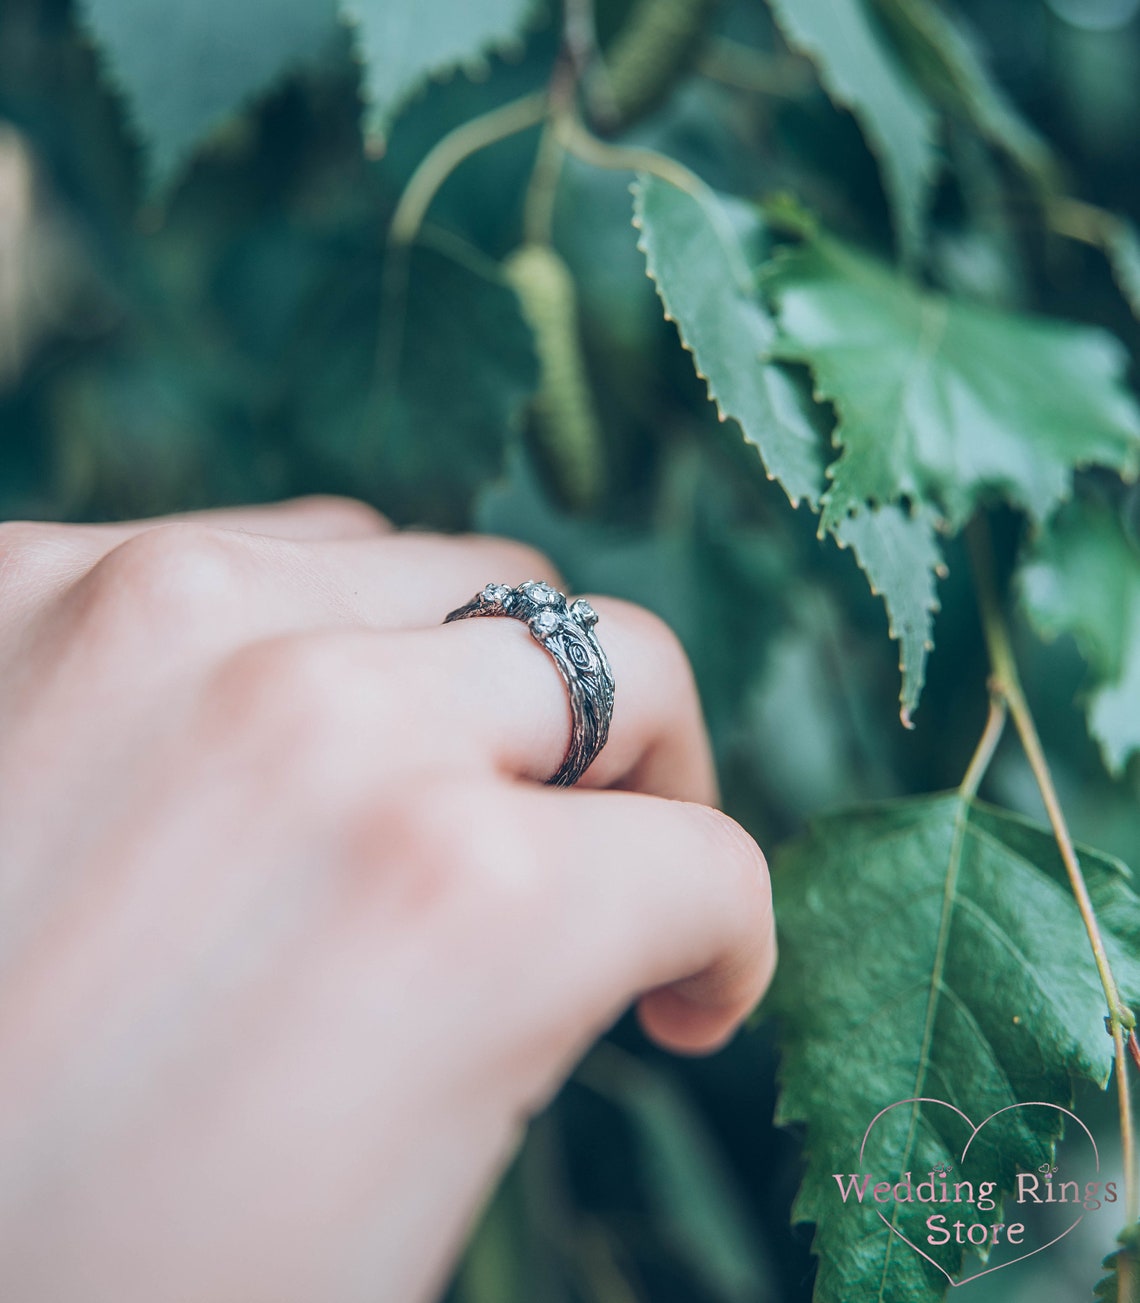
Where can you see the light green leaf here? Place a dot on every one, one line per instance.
(402, 43)
(900, 557)
(1082, 577)
(860, 71)
(932, 948)
(945, 402)
(944, 61)
(184, 68)
(699, 253)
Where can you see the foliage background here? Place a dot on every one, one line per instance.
(188, 323)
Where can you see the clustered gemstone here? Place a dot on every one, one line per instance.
(584, 613)
(545, 623)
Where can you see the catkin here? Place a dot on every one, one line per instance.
(658, 41)
(566, 424)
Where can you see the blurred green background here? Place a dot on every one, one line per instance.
(217, 343)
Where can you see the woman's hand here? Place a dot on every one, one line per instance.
(292, 938)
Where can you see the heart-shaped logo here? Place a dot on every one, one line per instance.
(974, 1131)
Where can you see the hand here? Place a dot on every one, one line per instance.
(292, 938)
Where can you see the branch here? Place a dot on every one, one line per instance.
(1005, 684)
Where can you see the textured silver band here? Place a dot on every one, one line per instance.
(566, 631)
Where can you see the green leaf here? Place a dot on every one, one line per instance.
(945, 402)
(402, 43)
(1082, 577)
(900, 556)
(944, 60)
(420, 432)
(693, 1195)
(860, 71)
(184, 68)
(932, 947)
(699, 253)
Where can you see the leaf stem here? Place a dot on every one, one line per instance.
(1005, 683)
(411, 210)
(987, 745)
(1084, 222)
(447, 154)
(623, 158)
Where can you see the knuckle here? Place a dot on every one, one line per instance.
(436, 834)
(171, 572)
(286, 689)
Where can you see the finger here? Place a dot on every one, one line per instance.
(413, 580)
(664, 900)
(315, 518)
(504, 690)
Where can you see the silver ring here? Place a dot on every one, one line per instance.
(566, 631)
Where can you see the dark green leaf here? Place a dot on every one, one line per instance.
(1082, 577)
(946, 63)
(686, 1181)
(401, 44)
(184, 68)
(900, 557)
(860, 71)
(421, 429)
(932, 947)
(945, 402)
(1123, 248)
(699, 253)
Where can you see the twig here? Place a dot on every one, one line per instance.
(984, 751)
(743, 68)
(1005, 683)
(447, 154)
(423, 186)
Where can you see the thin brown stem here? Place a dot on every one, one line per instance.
(1006, 684)
(987, 745)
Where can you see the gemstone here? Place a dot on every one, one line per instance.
(542, 593)
(544, 623)
(495, 593)
(584, 613)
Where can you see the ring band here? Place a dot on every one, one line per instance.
(566, 631)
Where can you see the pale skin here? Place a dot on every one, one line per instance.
(293, 938)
